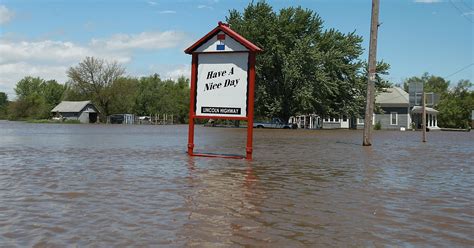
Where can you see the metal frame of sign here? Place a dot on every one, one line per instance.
(251, 49)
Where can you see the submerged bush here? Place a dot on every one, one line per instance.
(378, 126)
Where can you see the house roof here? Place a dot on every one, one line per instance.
(395, 95)
(70, 106)
(419, 110)
(222, 27)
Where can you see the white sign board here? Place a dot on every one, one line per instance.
(221, 88)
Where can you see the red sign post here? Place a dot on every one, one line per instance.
(222, 82)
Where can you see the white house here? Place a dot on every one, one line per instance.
(396, 114)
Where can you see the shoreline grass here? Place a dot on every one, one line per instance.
(48, 121)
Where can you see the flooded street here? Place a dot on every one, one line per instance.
(116, 185)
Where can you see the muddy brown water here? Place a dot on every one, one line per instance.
(115, 185)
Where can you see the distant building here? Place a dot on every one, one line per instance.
(121, 119)
(472, 119)
(84, 111)
(332, 122)
(311, 121)
(314, 121)
(397, 113)
(395, 106)
(431, 117)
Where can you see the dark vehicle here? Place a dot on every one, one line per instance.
(116, 119)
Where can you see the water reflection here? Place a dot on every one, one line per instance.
(96, 185)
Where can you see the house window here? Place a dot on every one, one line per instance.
(344, 118)
(336, 119)
(360, 121)
(326, 119)
(393, 118)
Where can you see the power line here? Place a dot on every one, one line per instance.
(460, 11)
(467, 5)
(458, 71)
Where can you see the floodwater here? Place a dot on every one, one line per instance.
(115, 185)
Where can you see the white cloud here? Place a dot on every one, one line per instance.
(428, 1)
(49, 51)
(171, 71)
(5, 14)
(180, 71)
(167, 12)
(43, 50)
(50, 59)
(145, 40)
(202, 6)
(152, 3)
(468, 13)
(11, 73)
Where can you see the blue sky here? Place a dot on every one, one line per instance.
(44, 38)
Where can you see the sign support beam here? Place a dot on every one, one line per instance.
(222, 83)
(192, 100)
(249, 148)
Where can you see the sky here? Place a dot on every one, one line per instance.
(45, 37)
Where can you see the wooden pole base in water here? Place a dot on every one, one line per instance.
(369, 109)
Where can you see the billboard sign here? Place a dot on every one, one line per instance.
(432, 99)
(222, 84)
(415, 91)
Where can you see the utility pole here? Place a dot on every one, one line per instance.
(369, 108)
(424, 116)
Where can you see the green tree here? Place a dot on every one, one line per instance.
(148, 93)
(93, 78)
(3, 99)
(155, 96)
(303, 68)
(181, 97)
(30, 101)
(29, 86)
(123, 94)
(456, 105)
(53, 93)
(3, 105)
(431, 83)
(74, 93)
(35, 98)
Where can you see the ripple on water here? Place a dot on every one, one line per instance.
(98, 185)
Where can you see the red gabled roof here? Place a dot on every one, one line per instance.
(226, 29)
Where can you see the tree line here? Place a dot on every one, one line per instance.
(105, 84)
(303, 69)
